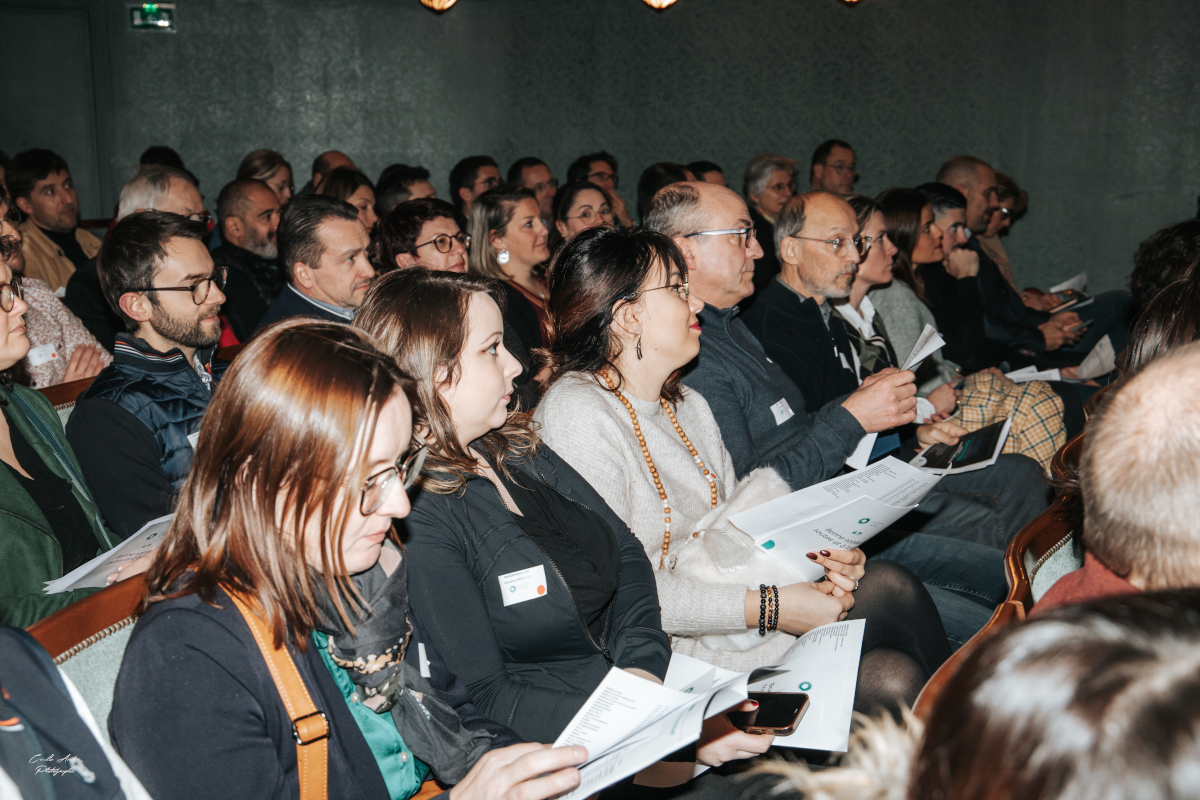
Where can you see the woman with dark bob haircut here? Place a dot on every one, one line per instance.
(424, 232)
(283, 548)
(624, 325)
(496, 504)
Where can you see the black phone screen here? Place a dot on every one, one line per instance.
(777, 709)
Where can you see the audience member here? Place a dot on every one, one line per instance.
(1169, 255)
(533, 174)
(60, 347)
(1170, 321)
(58, 740)
(400, 183)
(767, 187)
(655, 177)
(49, 522)
(816, 235)
(1036, 426)
(492, 501)
(153, 188)
(579, 206)
(1013, 201)
(762, 414)
(423, 233)
(601, 169)
(508, 242)
(1138, 476)
(323, 250)
(300, 565)
(615, 412)
(1009, 321)
(248, 211)
(134, 428)
(272, 169)
(708, 172)
(351, 186)
(323, 165)
(833, 167)
(162, 156)
(40, 184)
(470, 178)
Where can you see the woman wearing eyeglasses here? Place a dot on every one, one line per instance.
(283, 552)
(578, 206)
(624, 326)
(425, 233)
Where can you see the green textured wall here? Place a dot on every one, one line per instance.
(1090, 104)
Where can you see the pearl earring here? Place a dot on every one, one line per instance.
(502, 257)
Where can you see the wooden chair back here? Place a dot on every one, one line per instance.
(1098, 399)
(71, 630)
(1005, 614)
(63, 396)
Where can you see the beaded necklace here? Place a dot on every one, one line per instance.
(710, 476)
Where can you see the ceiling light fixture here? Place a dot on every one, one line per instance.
(438, 5)
(659, 5)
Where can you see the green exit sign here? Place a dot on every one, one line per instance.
(153, 17)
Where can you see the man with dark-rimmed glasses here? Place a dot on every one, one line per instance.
(135, 427)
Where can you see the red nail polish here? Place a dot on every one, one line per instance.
(755, 702)
(825, 553)
(812, 556)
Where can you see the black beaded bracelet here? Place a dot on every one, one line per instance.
(762, 609)
(774, 623)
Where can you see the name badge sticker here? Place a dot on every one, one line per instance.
(526, 584)
(782, 411)
(193, 438)
(42, 355)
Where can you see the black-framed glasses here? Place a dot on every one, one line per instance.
(747, 234)
(375, 488)
(202, 216)
(841, 246)
(199, 289)
(488, 183)
(682, 290)
(10, 292)
(604, 177)
(444, 242)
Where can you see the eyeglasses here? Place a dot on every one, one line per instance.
(841, 247)
(604, 177)
(747, 234)
(1004, 212)
(201, 216)
(841, 167)
(488, 183)
(444, 242)
(12, 216)
(375, 489)
(199, 289)
(9, 292)
(863, 243)
(682, 290)
(538, 188)
(587, 215)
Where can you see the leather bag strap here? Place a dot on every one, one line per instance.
(310, 728)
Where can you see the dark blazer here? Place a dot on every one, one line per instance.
(85, 299)
(1007, 320)
(529, 665)
(196, 714)
(521, 317)
(819, 360)
(253, 282)
(291, 304)
(766, 267)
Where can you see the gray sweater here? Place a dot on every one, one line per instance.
(761, 412)
(905, 317)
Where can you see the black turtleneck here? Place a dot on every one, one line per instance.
(69, 245)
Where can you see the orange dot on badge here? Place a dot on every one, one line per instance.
(541, 590)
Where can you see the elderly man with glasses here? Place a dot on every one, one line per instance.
(764, 417)
(135, 427)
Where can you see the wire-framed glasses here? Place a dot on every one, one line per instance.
(375, 488)
(841, 245)
(9, 292)
(747, 234)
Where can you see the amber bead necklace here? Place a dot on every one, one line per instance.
(662, 493)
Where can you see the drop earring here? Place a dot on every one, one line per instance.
(639, 348)
(502, 256)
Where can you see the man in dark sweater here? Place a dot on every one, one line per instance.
(323, 249)
(153, 188)
(135, 427)
(815, 235)
(248, 214)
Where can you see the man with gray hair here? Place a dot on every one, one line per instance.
(1140, 481)
(248, 213)
(767, 186)
(153, 188)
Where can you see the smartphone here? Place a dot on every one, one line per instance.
(778, 713)
(1085, 324)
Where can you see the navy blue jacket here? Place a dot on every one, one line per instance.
(130, 430)
(290, 303)
(196, 714)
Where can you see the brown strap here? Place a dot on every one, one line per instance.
(310, 728)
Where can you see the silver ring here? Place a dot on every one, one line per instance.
(855, 584)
